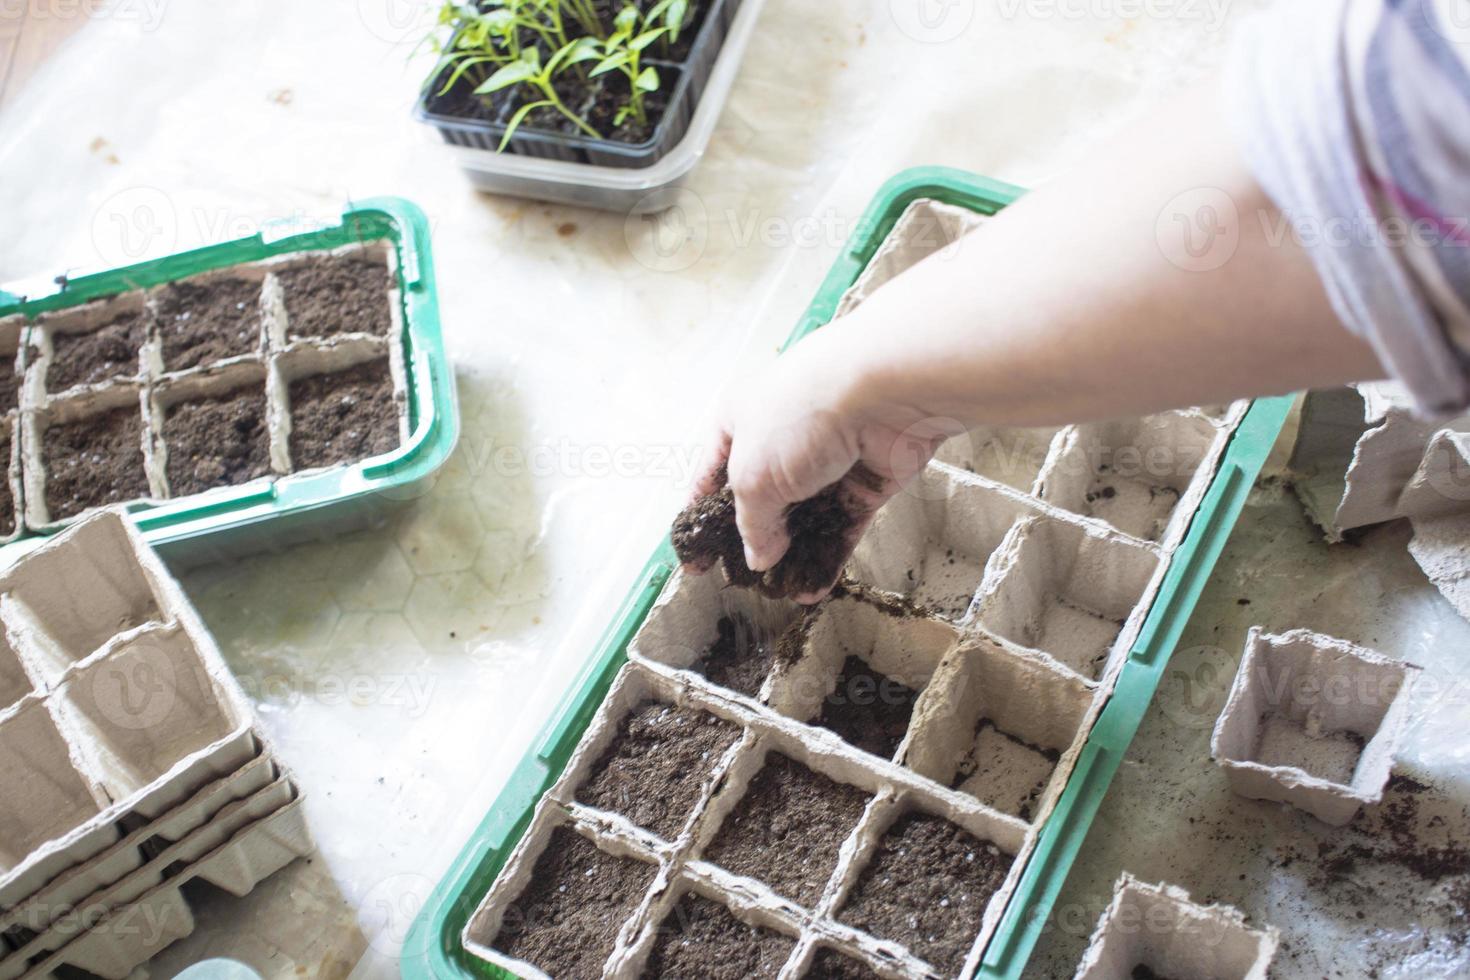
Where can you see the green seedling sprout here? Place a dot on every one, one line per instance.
(509, 38)
(528, 70)
(623, 52)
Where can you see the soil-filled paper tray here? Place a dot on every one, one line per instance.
(218, 389)
(928, 738)
(129, 709)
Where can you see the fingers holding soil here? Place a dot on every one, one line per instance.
(822, 532)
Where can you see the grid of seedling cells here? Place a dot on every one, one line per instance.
(851, 789)
(212, 381)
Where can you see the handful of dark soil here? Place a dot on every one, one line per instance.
(705, 533)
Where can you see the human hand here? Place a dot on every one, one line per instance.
(804, 454)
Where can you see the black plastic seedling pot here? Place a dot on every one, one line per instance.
(479, 121)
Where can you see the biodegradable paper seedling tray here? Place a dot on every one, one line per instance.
(1313, 721)
(130, 708)
(290, 496)
(1029, 629)
(1159, 928)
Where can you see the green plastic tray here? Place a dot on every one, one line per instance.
(263, 516)
(432, 950)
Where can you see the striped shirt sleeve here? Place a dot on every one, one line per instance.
(1354, 115)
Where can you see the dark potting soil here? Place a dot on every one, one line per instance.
(110, 351)
(656, 767)
(705, 533)
(216, 442)
(94, 461)
(7, 499)
(741, 656)
(607, 98)
(829, 964)
(927, 886)
(335, 294)
(567, 920)
(343, 416)
(9, 386)
(204, 322)
(1145, 972)
(869, 710)
(787, 828)
(701, 938)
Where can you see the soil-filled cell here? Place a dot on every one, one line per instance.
(740, 657)
(869, 710)
(217, 442)
(658, 765)
(701, 938)
(926, 886)
(202, 322)
(95, 356)
(7, 498)
(335, 294)
(94, 461)
(566, 921)
(787, 829)
(343, 416)
(828, 964)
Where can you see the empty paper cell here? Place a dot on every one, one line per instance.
(45, 796)
(1007, 455)
(1156, 931)
(1067, 591)
(14, 683)
(930, 543)
(68, 598)
(994, 723)
(862, 665)
(1131, 473)
(147, 706)
(729, 636)
(1313, 721)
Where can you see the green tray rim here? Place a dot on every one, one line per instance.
(433, 411)
(432, 949)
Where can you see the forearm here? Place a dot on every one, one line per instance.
(1066, 307)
